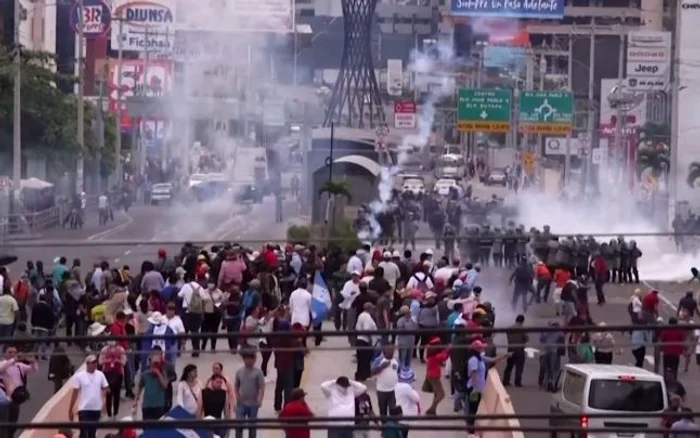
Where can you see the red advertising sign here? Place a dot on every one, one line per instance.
(405, 114)
(134, 83)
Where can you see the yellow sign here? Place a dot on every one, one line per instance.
(528, 159)
(470, 126)
(552, 128)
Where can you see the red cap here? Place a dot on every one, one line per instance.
(162, 252)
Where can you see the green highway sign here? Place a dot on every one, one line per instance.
(482, 110)
(546, 112)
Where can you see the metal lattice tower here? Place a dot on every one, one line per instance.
(356, 101)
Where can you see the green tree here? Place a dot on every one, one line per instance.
(654, 136)
(49, 121)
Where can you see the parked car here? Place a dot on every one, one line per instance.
(248, 193)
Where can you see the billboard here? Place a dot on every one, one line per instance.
(145, 26)
(96, 18)
(133, 82)
(506, 57)
(244, 16)
(394, 77)
(547, 9)
(648, 60)
(637, 116)
(688, 171)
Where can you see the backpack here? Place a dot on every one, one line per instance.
(422, 284)
(196, 304)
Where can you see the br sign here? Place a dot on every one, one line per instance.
(95, 15)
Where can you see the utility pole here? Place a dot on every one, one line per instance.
(80, 171)
(17, 106)
(100, 126)
(118, 140)
(591, 112)
(144, 91)
(675, 91)
(569, 86)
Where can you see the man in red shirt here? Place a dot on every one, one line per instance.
(650, 306)
(296, 408)
(673, 342)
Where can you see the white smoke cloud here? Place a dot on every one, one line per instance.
(437, 64)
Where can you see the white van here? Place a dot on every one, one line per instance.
(584, 389)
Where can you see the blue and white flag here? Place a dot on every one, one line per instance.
(320, 299)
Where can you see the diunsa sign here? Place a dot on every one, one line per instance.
(146, 25)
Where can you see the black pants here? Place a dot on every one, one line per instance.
(543, 288)
(599, 290)
(152, 413)
(115, 380)
(298, 373)
(472, 407)
(515, 361)
(605, 358)
(283, 387)
(266, 353)
(210, 324)
(233, 326)
(364, 361)
(88, 430)
(386, 400)
(193, 324)
(13, 418)
(639, 354)
(671, 362)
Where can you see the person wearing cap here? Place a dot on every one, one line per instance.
(154, 386)
(340, 394)
(166, 341)
(164, 264)
(112, 360)
(392, 273)
(365, 342)
(405, 342)
(350, 291)
(436, 356)
(355, 263)
(89, 391)
(296, 409)
(476, 382)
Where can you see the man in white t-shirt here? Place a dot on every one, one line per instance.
(392, 273)
(355, 263)
(102, 205)
(386, 368)
(89, 390)
(300, 305)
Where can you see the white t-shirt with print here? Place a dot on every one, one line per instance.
(389, 376)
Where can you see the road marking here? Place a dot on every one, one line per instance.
(116, 260)
(126, 253)
(102, 234)
(649, 359)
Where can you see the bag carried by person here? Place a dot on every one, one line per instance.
(20, 394)
(196, 304)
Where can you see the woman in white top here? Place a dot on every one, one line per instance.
(635, 306)
(189, 392)
(212, 298)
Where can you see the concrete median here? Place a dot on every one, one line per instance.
(54, 410)
(495, 400)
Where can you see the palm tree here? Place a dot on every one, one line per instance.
(334, 189)
(655, 161)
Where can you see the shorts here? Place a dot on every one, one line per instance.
(568, 308)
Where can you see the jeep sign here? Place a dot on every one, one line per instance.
(648, 59)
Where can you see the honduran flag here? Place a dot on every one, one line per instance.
(320, 299)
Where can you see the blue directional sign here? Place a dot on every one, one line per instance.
(547, 9)
(97, 17)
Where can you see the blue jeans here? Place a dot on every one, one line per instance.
(405, 355)
(88, 431)
(7, 330)
(43, 350)
(243, 413)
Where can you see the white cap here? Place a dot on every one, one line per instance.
(429, 251)
(387, 254)
(396, 254)
(357, 272)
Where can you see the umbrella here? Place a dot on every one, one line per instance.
(6, 259)
(176, 413)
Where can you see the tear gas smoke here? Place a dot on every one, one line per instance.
(611, 214)
(436, 66)
(221, 64)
